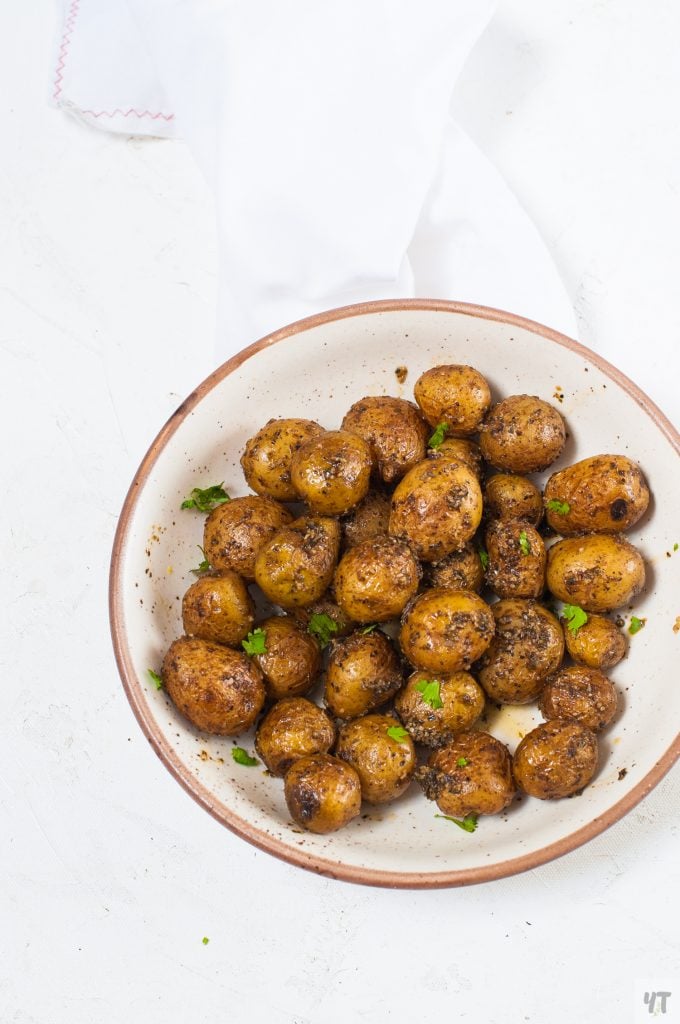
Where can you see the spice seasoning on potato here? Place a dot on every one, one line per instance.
(517, 559)
(218, 607)
(382, 755)
(456, 395)
(580, 694)
(322, 792)
(462, 450)
(434, 710)
(293, 728)
(291, 661)
(375, 580)
(598, 643)
(395, 431)
(598, 571)
(235, 532)
(295, 568)
(461, 570)
(369, 519)
(267, 456)
(509, 496)
(446, 630)
(602, 494)
(557, 759)
(332, 472)
(527, 647)
(470, 775)
(522, 434)
(363, 672)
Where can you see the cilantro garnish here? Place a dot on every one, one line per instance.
(636, 625)
(438, 436)
(429, 689)
(561, 507)
(397, 732)
(483, 557)
(203, 566)
(255, 642)
(155, 678)
(468, 823)
(208, 499)
(575, 617)
(462, 762)
(524, 545)
(242, 756)
(322, 627)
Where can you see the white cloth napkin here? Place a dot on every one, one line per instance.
(324, 130)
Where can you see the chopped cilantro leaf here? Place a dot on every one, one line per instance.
(468, 823)
(155, 678)
(430, 692)
(322, 627)
(438, 436)
(255, 642)
(208, 499)
(203, 566)
(483, 557)
(561, 507)
(524, 545)
(462, 762)
(205, 940)
(575, 617)
(636, 625)
(242, 756)
(369, 629)
(397, 732)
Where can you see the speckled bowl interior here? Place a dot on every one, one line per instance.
(317, 368)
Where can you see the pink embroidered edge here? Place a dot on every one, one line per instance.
(69, 26)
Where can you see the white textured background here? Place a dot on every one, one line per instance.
(109, 874)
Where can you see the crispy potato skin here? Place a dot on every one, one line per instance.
(292, 662)
(446, 630)
(461, 570)
(295, 567)
(598, 571)
(453, 394)
(267, 456)
(462, 450)
(375, 580)
(597, 644)
(436, 508)
(218, 689)
(509, 496)
(234, 532)
(556, 759)
(322, 792)
(462, 701)
(580, 694)
(482, 786)
(218, 607)
(385, 766)
(511, 572)
(293, 728)
(527, 647)
(363, 672)
(395, 431)
(522, 434)
(605, 494)
(369, 519)
(332, 472)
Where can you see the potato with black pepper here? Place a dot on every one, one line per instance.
(235, 532)
(456, 395)
(291, 660)
(374, 581)
(598, 643)
(395, 431)
(462, 450)
(218, 607)
(435, 710)
(295, 567)
(598, 571)
(293, 728)
(602, 494)
(369, 519)
(267, 456)
(527, 647)
(460, 570)
(323, 793)
(363, 672)
(580, 694)
(332, 472)
(382, 754)
(509, 496)
(471, 775)
(446, 630)
(522, 434)
(556, 759)
(517, 559)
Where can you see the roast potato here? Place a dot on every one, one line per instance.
(599, 643)
(267, 456)
(522, 434)
(508, 496)
(461, 570)
(581, 694)
(462, 450)
(470, 775)
(363, 672)
(332, 472)
(527, 647)
(556, 759)
(234, 532)
(376, 579)
(602, 494)
(435, 710)
(295, 567)
(369, 519)
(292, 660)
(516, 559)
(598, 572)
(456, 395)
(218, 607)
(291, 729)
(384, 764)
(395, 431)
(446, 630)
(322, 792)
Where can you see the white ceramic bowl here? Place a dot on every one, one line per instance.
(317, 368)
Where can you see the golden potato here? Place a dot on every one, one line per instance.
(516, 559)
(598, 572)
(527, 647)
(456, 395)
(322, 792)
(292, 660)
(217, 688)
(602, 494)
(436, 508)
(580, 694)
(522, 434)
(295, 567)
(267, 456)
(293, 728)
(218, 607)
(508, 496)
(462, 450)
(461, 570)
(332, 472)
(470, 775)
(435, 710)
(395, 431)
(446, 630)
(363, 672)
(599, 643)
(556, 759)
(369, 519)
(234, 532)
(384, 763)
(375, 580)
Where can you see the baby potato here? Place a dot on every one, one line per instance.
(470, 775)
(599, 643)
(556, 759)
(218, 607)
(235, 532)
(325, 608)
(580, 694)
(217, 688)
(332, 472)
(292, 660)
(527, 647)
(516, 559)
(436, 710)
(522, 434)
(446, 630)
(395, 431)
(598, 572)
(295, 567)
(363, 672)
(461, 570)
(456, 395)
(385, 766)
(375, 580)
(508, 496)
(602, 494)
(267, 456)
(369, 519)
(462, 450)
(322, 792)
(292, 729)
(436, 508)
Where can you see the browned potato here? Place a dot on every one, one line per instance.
(218, 607)
(375, 580)
(516, 559)
(602, 494)
(317, 614)
(461, 570)
(556, 759)
(295, 567)
(292, 660)
(235, 532)
(598, 572)
(369, 519)
(267, 456)
(522, 434)
(470, 775)
(456, 395)
(580, 694)
(528, 646)
(508, 496)
(462, 450)
(332, 472)
(363, 673)
(218, 689)
(599, 643)
(395, 431)
(384, 763)
(436, 508)
(292, 729)
(322, 792)
(446, 630)
(435, 710)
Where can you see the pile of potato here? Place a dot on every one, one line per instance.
(399, 521)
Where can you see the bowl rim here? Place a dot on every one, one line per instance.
(133, 687)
